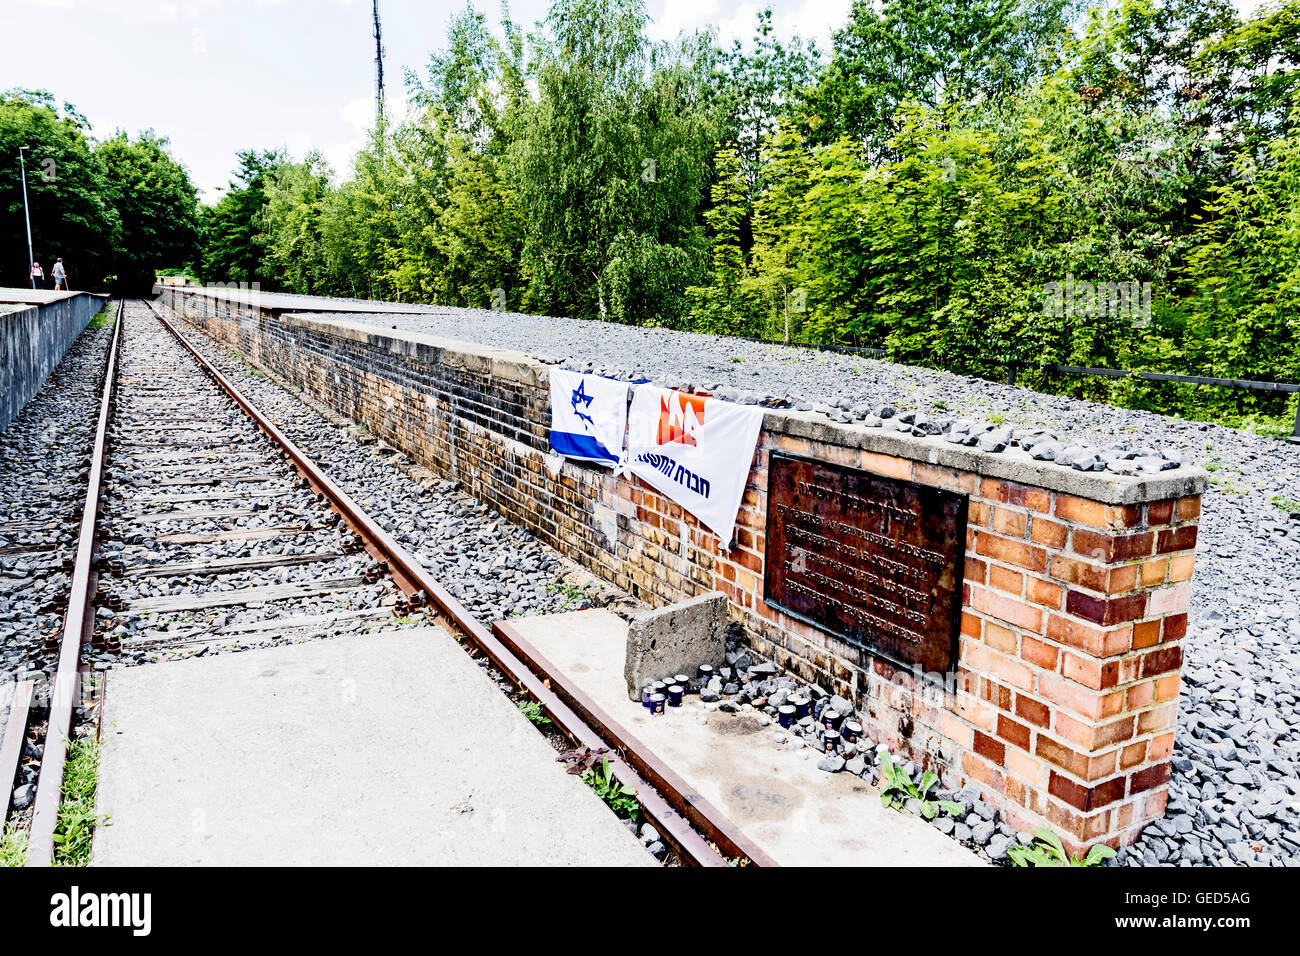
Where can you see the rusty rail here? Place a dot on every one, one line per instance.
(684, 798)
(78, 623)
(15, 735)
(663, 811)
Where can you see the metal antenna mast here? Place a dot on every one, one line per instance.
(379, 70)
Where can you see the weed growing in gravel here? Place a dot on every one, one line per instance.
(13, 845)
(621, 799)
(1291, 505)
(997, 418)
(1228, 484)
(896, 788)
(573, 593)
(534, 712)
(738, 359)
(75, 830)
(1047, 850)
(104, 319)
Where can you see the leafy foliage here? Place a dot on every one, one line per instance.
(157, 208)
(896, 788)
(534, 712)
(1048, 850)
(114, 210)
(622, 800)
(970, 186)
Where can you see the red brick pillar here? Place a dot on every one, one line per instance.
(1071, 656)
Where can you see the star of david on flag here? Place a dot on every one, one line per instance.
(588, 416)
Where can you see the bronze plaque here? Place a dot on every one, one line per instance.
(874, 560)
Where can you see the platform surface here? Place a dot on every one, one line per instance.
(388, 749)
(774, 793)
(35, 296)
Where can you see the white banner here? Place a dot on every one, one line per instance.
(588, 416)
(694, 449)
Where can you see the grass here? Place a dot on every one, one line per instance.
(75, 830)
(104, 319)
(1228, 484)
(13, 846)
(1290, 505)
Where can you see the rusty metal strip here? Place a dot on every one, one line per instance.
(688, 802)
(689, 844)
(77, 625)
(15, 735)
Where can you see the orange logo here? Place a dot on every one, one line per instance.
(680, 416)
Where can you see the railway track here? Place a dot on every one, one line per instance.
(216, 533)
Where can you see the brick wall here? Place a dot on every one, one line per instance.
(1063, 702)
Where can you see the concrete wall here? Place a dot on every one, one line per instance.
(33, 340)
(1074, 603)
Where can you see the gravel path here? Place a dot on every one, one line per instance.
(1235, 792)
(44, 460)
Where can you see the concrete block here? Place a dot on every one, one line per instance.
(675, 639)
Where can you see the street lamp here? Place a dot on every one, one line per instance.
(31, 257)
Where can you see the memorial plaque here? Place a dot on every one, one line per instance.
(874, 560)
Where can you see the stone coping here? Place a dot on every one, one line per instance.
(1013, 464)
(41, 296)
(280, 302)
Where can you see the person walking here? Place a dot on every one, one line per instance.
(60, 276)
(38, 275)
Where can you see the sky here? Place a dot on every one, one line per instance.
(218, 76)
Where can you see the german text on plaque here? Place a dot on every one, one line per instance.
(874, 560)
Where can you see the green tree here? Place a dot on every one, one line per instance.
(780, 235)
(297, 195)
(719, 307)
(1243, 316)
(931, 52)
(610, 162)
(157, 209)
(234, 229)
(71, 212)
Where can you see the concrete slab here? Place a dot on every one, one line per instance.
(36, 296)
(675, 639)
(799, 815)
(390, 749)
(7, 689)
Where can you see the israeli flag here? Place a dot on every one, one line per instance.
(588, 416)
